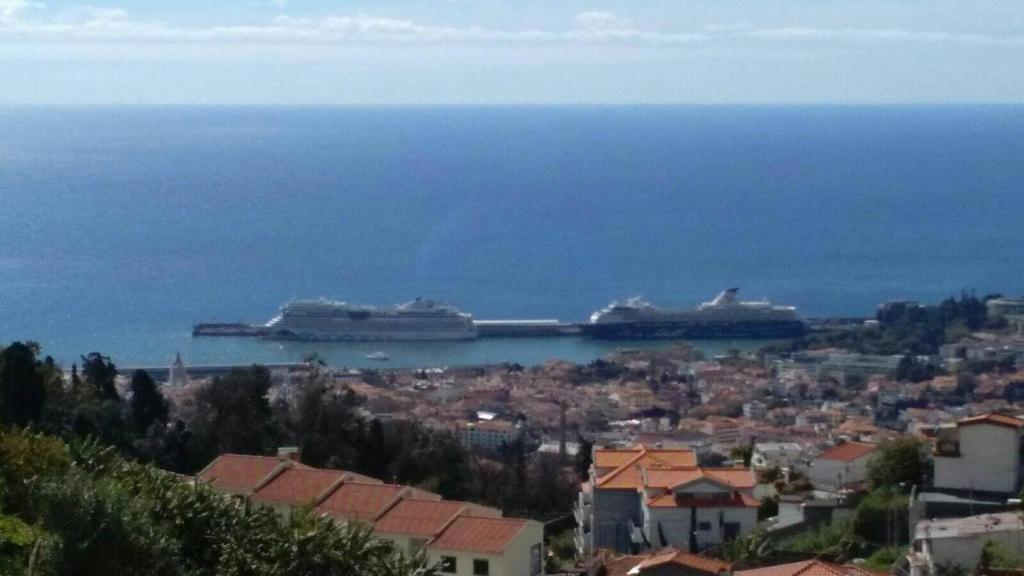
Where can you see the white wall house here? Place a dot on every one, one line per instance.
(959, 541)
(982, 453)
(768, 455)
(841, 466)
(645, 498)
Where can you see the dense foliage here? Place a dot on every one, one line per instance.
(901, 462)
(82, 510)
(236, 413)
(908, 328)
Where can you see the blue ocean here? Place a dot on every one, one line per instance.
(121, 227)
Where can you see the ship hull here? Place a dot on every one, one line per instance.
(694, 330)
(379, 337)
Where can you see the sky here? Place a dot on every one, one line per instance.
(418, 52)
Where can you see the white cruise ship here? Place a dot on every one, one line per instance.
(333, 320)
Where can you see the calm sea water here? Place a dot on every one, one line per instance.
(121, 227)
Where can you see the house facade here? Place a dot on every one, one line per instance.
(981, 453)
(643, 498)
(841, 466)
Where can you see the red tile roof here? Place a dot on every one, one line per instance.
(669, 557)
(298, 486)
(686, 560)
(847, 451)
(807, 568)
(475, 534)
(993, 418)
(366, 502)
(239, 472)
(627, 474)
(423, 518)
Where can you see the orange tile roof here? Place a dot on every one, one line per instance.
(808, 568)
(627, 475)
(614, 458)
(366, 502)
(298, 486)
(240, 472)
(993, 418)
(687, 560)
(739, 478)
(651, 562)
(418, 517)
(475, 534)
(847, 451)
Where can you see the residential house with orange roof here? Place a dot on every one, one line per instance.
(808, 568)
(841, 466)
(482, 546)
(357, 501)
(464, 538)
(240, 473)
(644, 497)
(981, 454)
(665, 562)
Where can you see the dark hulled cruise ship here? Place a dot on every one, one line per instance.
(723, 317)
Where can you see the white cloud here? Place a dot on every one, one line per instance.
(10, 9)
(113, 25)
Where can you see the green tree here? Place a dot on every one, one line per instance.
(101, 374)
(147, 405)
(22, 385)
(233, 415)
(901, 461)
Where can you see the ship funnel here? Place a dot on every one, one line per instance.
(726, 297)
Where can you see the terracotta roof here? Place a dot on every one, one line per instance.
(993, 418)
(638, 565)
(740, 478)
(239, 472)
(737, 500)
(807, 568)
(425, 517)
(475, 534)
(366, 502)
(847, 451)
(298, 486)
(615, 458)
(687, 560)
(627, 475)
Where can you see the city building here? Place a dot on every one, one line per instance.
(768, 455)
(489, 434)
(641, 498)
(462, 538)
(958, 542)
(980, 453)
(177, 375)
(1004, 307)
(844, 465)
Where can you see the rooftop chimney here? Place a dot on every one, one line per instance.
(289, 453)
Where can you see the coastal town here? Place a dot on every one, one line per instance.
(685, 464)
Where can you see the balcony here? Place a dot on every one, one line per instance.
(582, 515)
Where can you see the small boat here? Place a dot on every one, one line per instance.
(379, 356)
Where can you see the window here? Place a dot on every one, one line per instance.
(448, 565)
(703, 526)
(535, 559)
(481, 567)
